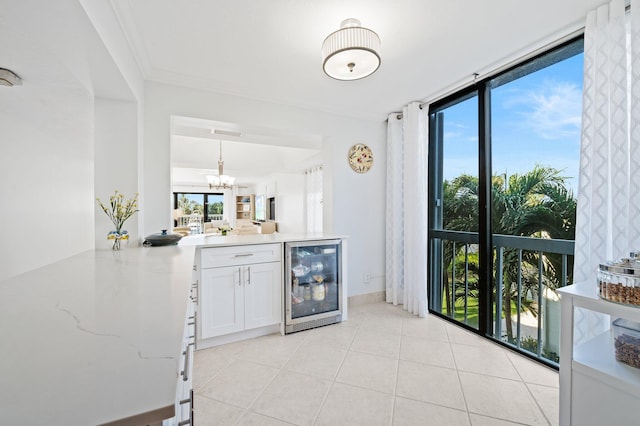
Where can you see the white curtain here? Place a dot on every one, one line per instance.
(406, 221)
(608, 210)
(313, 199)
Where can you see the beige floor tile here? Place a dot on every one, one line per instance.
(408, 412)
(380, 352)
(207, 363)
(385, 309)
(547, 398)
(533, 372)
(317, 359)
(353, 406)
(254, 419)
(391, 324)
(292, 397)
(355, 318)
(429, 328)
(478, 420)
(431, 352)
(336, 335)
(459, 335)
(273, 350)
(375, 343)
(502, 398)
(369, 371)
(210, 412)
(240, 383)
(431, 384)
(490, 360)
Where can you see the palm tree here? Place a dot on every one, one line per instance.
(534, 204)
(460, 213)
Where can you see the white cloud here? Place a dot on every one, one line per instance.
(552, 111)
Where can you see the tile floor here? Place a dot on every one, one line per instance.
(382, 367)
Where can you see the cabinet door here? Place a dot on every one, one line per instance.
(221, 302)
(263, 294)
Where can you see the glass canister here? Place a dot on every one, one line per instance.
(619, 281)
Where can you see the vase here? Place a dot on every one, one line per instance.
(117, 236)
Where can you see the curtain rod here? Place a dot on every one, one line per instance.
(463, 83)
(498, 67)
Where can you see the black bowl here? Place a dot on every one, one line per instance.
(162, 239)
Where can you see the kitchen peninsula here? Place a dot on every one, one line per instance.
(253, 285)
(106, 337)
(96, 338)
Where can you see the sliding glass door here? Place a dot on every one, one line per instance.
(455, 221)
(503, 179)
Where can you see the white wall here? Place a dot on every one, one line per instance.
(47, 138)
(116, 163)
(290, 203)
(358, 201)
(288, 188)
(46, 175)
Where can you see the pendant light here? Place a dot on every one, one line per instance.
(351, 52)
(221, 181)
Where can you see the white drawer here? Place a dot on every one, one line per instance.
(240, 255)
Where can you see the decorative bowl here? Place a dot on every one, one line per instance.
(162, 239)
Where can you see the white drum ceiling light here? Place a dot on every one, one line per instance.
(351, 52)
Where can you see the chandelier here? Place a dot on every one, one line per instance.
(221, 181)
(351, 52)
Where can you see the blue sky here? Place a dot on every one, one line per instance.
(535, 120)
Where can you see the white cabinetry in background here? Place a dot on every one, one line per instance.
(595, 389)
(240, 293)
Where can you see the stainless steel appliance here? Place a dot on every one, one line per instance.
(313, 288)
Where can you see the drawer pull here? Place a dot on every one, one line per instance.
(244, 255)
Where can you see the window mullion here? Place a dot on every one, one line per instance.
(485, 314)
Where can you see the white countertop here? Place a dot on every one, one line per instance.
(214, 240)
(94, 338)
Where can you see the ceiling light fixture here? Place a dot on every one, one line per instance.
(221, 181)
(351, 52)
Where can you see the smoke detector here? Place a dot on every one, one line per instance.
(9, 78)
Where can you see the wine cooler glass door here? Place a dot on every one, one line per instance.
(314, 280)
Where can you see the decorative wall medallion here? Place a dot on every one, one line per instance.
(360, 158)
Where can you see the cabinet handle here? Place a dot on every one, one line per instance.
(248, 274)
(185, 374)
(244, 255)
(194, 292)
(239, 279)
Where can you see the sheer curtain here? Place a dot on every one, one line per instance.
(313, 199)
(608, 211)
(406, 230)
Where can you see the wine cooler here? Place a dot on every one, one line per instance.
(313, 289)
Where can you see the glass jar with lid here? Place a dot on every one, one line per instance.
(619, 281)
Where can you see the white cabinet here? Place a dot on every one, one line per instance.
(595, 389)
(240, 289)
(184, 389)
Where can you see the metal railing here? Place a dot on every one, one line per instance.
(530, 269)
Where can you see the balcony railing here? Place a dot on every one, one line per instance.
(526, 273)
